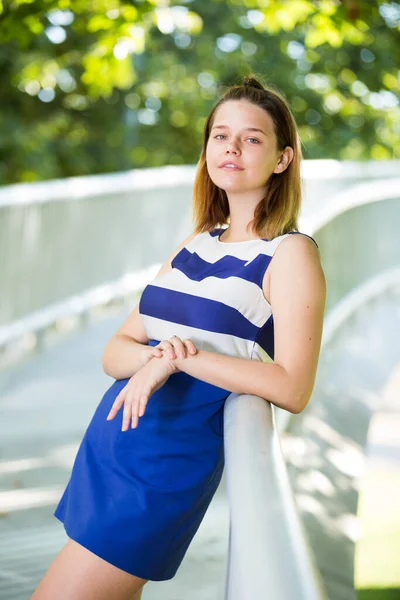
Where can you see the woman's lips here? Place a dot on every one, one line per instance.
(225, 168)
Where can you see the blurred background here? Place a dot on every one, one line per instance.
(103, 105)
(102, 86)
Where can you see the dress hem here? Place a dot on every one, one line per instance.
(99, 555)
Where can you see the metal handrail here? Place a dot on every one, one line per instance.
(269, 556)
(78, 305)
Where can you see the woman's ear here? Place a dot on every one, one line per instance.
(284, 160)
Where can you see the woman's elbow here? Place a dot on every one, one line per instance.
(298, 401)
(104, 365)
(105, 359)
(296, 409)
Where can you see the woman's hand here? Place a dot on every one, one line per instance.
(175, 347)
(149, 378)
(139, 388)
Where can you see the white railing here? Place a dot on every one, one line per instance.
(120, 225)
(269, 556)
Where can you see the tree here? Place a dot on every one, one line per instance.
(107, 85)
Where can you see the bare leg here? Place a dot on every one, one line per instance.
(138, 595)
(78, 574)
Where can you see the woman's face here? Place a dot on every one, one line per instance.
(231, 139)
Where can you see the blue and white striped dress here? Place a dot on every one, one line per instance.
(136, 498)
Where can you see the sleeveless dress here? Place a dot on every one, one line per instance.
(136, 498)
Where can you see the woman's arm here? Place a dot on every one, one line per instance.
(124, 356)
(297, 290)
(127, 351)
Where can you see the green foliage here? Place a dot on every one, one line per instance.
(94, 86)
(376, 565)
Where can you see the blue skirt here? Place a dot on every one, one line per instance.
(136, 498)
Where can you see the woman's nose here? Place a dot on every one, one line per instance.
(232, 146)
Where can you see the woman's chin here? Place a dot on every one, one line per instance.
(229, 185)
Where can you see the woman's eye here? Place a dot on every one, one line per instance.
(222, 135)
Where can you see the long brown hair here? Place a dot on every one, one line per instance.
(277, 213)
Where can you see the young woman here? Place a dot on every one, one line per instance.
(235, 309)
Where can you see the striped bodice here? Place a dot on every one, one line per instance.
(213, 296)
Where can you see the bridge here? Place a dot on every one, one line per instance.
(283, 523)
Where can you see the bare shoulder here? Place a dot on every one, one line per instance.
(295, 242)
(297, 265)
(293, 254)
(296, 252)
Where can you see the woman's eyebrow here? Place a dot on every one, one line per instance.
(244, 129)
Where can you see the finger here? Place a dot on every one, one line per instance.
(118, 402)
(135, 413)
(142, 404)
(179, 347)
(168, 347)
(156, 351)
(126, 415)
(190, 346)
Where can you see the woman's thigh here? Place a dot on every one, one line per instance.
(78, 574)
